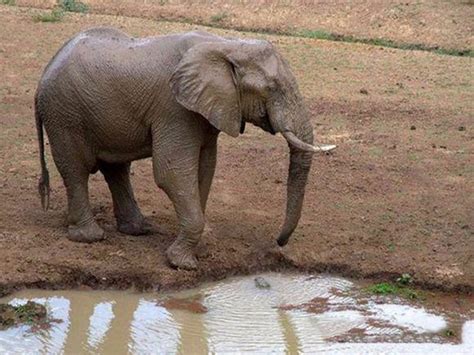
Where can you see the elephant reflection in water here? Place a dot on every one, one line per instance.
(128, 323)
(109, 324)
(83, 322)
(103, 326)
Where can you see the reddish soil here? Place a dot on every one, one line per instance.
(396, 197)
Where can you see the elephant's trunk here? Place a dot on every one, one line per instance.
(300, 165)
(295, 126)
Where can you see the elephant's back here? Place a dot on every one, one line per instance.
(103, 50)
(70, 48)
(104, 32)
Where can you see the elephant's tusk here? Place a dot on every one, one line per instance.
(325, 147)
(299, 144)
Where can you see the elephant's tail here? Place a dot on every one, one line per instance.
(43, 184)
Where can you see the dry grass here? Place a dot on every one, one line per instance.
(434, 23)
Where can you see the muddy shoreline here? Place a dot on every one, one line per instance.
(81, 279)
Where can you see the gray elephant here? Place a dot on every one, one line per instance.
(107, 99)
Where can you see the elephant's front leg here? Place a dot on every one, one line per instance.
(176, 171)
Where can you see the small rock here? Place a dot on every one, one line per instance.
(260, 282)
(413, 128)
(461, 128)
(443, 147)
(364, 91)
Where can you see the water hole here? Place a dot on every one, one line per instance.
(267, 313)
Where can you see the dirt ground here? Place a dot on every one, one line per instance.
(434, 23)
(396, 197)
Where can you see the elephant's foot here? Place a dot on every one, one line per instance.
(87, 233)
(202, 250)
(181, 256)
(139, 227)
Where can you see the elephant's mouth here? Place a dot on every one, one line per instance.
(266, 125)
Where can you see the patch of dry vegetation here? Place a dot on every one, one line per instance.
(411, 24)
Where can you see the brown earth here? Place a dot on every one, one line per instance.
(396, 197)
(434, 23)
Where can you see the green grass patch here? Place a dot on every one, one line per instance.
(7, 2)
(318, 34)
(387, 288)
(73, 6)
(449, 333)
(383, 288)
(383, 42)
(221, 16)
(400, 288)
(55, 15)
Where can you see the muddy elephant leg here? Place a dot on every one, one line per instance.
(129, 218)
(176, 171)
(74, 166)
(186, 201)
(82, 225)
(207, 167)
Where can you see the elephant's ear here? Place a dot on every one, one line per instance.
(204, 82)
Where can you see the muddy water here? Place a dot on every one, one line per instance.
(279, 314)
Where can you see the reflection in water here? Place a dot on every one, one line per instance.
(154, 330)
(296, 314)
(99, 323)
(311, 331)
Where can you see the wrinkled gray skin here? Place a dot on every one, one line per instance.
(107, 99)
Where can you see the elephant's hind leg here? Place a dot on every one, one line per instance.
(74, 163)
(129, 218)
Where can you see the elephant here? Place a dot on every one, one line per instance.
(106, 99)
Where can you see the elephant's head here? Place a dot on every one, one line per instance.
(231, 82)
